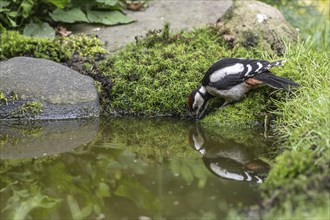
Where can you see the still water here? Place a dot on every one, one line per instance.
(127, 169)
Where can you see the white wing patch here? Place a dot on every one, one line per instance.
(249, 69)
(259, 66)
(202, 90)
(221, 73)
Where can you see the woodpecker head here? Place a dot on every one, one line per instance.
(197, 102)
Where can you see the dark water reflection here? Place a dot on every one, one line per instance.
(125, 169)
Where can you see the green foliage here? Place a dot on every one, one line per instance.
(312, 18)
(60, 49)
(35, 14)
(39, 30)
(69, 16)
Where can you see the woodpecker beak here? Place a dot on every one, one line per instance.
(196, 117)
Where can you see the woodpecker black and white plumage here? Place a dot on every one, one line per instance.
(231, 78)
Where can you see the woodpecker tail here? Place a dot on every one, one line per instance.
(275, 81)
(277, 63)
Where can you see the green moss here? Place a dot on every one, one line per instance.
(3, 98)
(84, 45)
(60, 49)
(248, 113)
(29, 109)
(297, 186)
(7, 97)
(13, 44)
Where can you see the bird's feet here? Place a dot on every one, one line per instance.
(224, 104)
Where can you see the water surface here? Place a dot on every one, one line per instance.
(126, 169)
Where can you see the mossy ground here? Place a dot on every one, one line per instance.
(298, 184)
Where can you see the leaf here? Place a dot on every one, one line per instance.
(34, 201)
(4, 4)
(103, 190)
(39, 30)
(26, 7)
(59, 3)
(108, 2)
(11, 21)
(76, 211)
(138, 193)
(70, 16)
(108, 17)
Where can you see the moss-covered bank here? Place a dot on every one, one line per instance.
(298, 185)
(60, 49)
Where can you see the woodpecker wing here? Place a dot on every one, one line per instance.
(229, 72)
(274, 81)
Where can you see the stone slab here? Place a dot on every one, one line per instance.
(181, 14)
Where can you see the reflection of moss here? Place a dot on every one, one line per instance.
(5, 139)
(156, 141)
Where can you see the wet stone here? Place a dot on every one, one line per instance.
(33, 88)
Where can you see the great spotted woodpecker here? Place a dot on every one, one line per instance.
(231, 79)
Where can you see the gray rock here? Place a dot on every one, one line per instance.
(252, 23)
(33, 88)
(182, 15)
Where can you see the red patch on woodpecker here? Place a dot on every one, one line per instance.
(253, 82)
(190, 102)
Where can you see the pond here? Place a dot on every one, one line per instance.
(126, 169)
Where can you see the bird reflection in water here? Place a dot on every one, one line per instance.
(228, 159)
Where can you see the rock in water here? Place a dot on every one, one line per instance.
(33, 88)
(254, 23)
